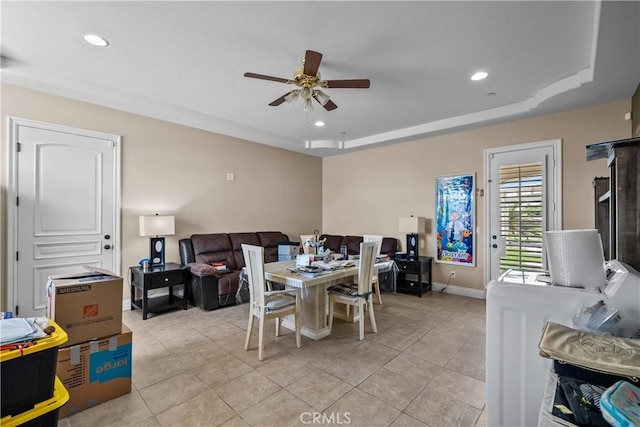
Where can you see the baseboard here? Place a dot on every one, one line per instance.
(459, 290)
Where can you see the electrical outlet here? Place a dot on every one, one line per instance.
(453, 275)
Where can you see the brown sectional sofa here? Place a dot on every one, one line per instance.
(334, 242)
(210, 288)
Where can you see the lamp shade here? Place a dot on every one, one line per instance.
(322, 97)
(412, 224)
(292, 96)
(157, 225)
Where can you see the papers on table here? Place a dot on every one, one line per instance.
(333, 265)
(318, 268)
(309, 271)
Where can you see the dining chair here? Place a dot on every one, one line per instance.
(378, 241)
(357, 295)
(267, 304)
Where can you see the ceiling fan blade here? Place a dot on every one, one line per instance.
(263, 77)
(281, 99)
(330, 105)
(348, 84)
(312, 62)
(278, 101)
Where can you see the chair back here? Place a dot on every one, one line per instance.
(366, 238)
(365, 269)
(254, 263)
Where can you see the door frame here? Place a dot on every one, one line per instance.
(12, 192)
(556, 144)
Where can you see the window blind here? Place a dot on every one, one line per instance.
(521, 216)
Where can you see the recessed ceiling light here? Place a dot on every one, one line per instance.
(319, 123)
(480, 75)
(96, 40)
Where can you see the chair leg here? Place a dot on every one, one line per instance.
(330, 313)
(361, 319)
(377, 285)
(260, 337)
(278, 326)
(372, 316)
(249, 328)
(298, 338)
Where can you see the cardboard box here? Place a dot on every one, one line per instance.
(86, 305)
(96, 371)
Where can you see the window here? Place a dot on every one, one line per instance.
(521, 216)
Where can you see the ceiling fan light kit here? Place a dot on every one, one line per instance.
(308, 81)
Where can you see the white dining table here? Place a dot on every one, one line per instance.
(314, 294)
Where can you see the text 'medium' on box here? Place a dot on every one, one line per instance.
(86, 305)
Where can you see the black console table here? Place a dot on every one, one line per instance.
(167, 276)
(417, 267)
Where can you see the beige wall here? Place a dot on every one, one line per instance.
(367, 191)
(362, 192)
(274, 189)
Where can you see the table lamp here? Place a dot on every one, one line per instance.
(157, 225)
(412, 225)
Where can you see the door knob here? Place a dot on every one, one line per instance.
(107, 237)
(494, 246)
(107, 246)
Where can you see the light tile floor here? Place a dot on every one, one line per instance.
(425, 367)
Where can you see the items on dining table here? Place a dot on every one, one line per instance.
(320, 267)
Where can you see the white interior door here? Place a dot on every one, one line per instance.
(523, 201)
(66, 185)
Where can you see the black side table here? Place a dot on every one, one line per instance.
(417, 267)
(167, 276)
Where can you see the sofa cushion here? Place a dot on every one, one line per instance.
(210, 248)
(353, 244)
(270, 240)
(332, 242)
(389, 246)
(237, 240)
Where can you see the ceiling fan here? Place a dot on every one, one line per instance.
(308, 81)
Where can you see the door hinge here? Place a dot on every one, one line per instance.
(17, 310)
(17, 201)
(17, 255)
(18, 147)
